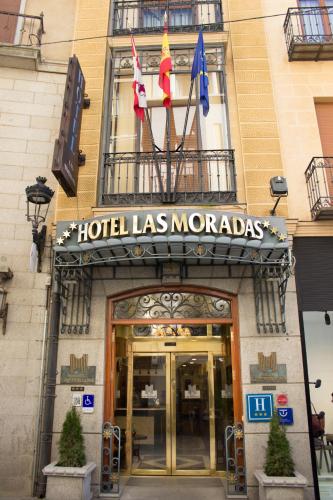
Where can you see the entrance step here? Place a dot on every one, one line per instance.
(170, 488)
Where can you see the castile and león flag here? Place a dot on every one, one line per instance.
(140, 98)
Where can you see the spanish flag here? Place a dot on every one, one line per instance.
(165, 67)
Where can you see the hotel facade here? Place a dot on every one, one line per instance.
(186, 279)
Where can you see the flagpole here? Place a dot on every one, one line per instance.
(180, 148)
(158, 170)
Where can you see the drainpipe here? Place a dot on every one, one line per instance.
(44, 455)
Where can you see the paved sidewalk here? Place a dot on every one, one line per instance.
(163, 488)
(171, 488)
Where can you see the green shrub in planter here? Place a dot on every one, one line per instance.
(71, 443)
(279, 461)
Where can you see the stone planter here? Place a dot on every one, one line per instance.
(275, 487)
(68, 482)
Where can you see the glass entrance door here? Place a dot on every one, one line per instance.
(173, 426)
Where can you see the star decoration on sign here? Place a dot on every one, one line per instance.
(282, 237)
(274, 230)
(67, 233)
(266, 224)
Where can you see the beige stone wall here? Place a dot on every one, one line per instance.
(296, 87)
(260, 144)
(30, 107)
(59, 18)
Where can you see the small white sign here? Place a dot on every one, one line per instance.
(76, 399)
(149, 392)
(192, 392)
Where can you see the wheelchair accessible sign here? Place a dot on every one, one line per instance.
(88, 403)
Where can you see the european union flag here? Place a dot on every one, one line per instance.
(199, 67)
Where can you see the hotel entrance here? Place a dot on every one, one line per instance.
(176, 383)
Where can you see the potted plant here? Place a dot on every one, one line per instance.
(70, 476)
(279, 478)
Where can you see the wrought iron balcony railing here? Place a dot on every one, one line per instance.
(21, 29)
(309, 33)
(183, 15)
(181, 177)
(319, 181)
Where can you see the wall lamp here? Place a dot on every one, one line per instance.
(327, 318)
(39, 197)
(5, 274)
(317, 383)
(279, 189)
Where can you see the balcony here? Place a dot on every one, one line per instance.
(308, 32)
(319, 181)
(20, 29)
(183, 16)
(200, 177)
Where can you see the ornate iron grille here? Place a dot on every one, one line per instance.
(21, 29)
(172, 305)
(75, 297)
(308, 33)
(319, 182)
(110, 469)
(182, 177)
(235, 459)
(182, 59)
(270, 286)
(183, 16)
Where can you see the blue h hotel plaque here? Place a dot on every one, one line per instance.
(259, 407)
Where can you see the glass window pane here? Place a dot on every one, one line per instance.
(192, 413)
(149, 413)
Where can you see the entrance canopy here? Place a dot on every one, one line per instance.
(187, 236)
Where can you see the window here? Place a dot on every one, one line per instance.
(317, 20)
(8, 23)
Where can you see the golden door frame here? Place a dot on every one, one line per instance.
(110, 341)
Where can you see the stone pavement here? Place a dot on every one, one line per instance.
(163, 488)
(171, 488)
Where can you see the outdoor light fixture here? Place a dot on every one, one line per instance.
(279, 189)
(39, 197)
(5, 274)
(327, 319)
(317, 383)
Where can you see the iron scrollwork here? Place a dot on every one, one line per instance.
(173, 305)
(235, 459)
(75, 297)
(110, 471)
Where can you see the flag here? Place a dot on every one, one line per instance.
(165, 67)
(140, 99)
(199, 67)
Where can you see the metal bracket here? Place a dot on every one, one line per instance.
(75, 298)
(270, 286)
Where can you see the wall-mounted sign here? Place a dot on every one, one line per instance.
(66, 149)
(192, 392)
(286, 416)
(88, 403)
(175, 222)
(149, 392)
(282, 399)
(259, 407)
(76, 399)
(78, 371)
(268, 370)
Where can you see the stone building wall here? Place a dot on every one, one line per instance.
(30, 108)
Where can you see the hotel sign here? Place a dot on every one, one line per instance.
(66, 149)
(168, 223)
